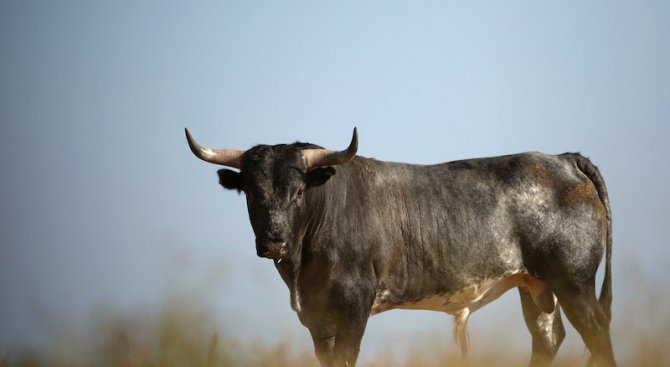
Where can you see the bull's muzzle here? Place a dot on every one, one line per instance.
(272, 249)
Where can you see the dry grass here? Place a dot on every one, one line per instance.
(177, 336)
(182, 336)
(185, 335)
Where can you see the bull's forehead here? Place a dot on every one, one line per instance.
(269, 168)
(273, 155)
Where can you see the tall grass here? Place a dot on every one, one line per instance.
(175, 336)
(182, 335)
(185, 334)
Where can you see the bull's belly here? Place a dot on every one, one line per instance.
(468, 299)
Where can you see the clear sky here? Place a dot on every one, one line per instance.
(103, 205)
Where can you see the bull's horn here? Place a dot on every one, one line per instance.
(324, 157)
(224, 157)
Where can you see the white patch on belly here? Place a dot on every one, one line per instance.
(455, 302)
(472, 297)
(461, 304)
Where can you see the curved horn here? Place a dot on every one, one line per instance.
(224, 157)
(324, 157)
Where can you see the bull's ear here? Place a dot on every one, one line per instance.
(318, 176)
(230, 179)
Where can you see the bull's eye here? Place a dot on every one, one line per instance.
(298, 194)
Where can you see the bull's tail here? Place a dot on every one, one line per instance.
(592, 172)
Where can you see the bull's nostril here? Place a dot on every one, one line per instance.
(272, 249)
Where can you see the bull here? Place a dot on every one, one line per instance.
(352, 237)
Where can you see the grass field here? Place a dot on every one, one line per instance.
(180, 335)
(181, 332)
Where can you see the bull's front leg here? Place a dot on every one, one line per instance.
(348, 343)
(323, 336)
(337, 344)
(337, 329)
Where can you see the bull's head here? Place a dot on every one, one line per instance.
(274, 180)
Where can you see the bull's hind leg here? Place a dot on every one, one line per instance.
(546, 329)
(586, 315)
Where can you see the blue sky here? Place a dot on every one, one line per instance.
(103, 204)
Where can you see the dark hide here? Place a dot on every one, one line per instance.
(369, 236)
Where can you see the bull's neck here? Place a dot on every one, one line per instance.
(315, 221)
